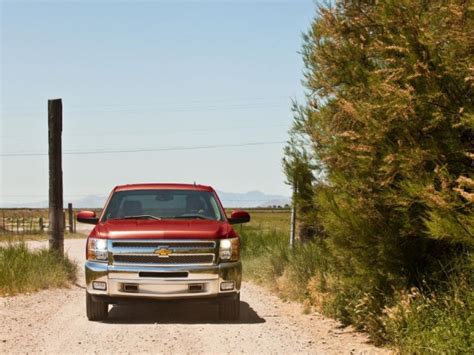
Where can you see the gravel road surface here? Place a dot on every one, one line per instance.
(54, 321)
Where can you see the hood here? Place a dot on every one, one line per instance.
(163, 229)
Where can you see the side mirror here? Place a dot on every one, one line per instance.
(237, 217)
(87, 217)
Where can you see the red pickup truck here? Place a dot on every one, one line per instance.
(163, 242)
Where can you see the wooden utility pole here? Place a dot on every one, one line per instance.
(71, 217)
(56, 219)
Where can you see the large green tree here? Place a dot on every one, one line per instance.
(389, 122)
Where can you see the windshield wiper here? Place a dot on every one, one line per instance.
(142, 216)
(198, 216)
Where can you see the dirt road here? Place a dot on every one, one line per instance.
(54, 321)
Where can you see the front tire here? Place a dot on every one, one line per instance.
(96, 310)
(229, 309)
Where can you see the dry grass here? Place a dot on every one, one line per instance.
(26, 270)
(23, 212)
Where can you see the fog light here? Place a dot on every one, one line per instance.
(227, 285)
(99, 285)
(195, 288)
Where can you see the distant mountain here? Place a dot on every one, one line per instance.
(91, 201)
(229, 200)
(40, 204)
(251, 199)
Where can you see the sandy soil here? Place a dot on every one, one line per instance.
(54, 321)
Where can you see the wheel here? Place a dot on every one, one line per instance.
(96, 310)
(229, 309)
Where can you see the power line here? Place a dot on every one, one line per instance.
(152, 132)
(165, 102)
(154, 108)
(139, 150)
(155, 133)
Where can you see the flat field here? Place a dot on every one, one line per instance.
(267, 220)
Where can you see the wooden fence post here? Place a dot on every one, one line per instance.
(41, 224)
(71, 217)
(56, 219)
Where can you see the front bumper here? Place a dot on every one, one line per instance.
(177, 282)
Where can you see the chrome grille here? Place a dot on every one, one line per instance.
(147, 252)
(172, 259)
(171, 244)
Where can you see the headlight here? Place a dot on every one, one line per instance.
(229, 249)
(97, 249)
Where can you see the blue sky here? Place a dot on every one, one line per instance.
(149, 75)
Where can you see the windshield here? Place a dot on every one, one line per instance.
(163, 204)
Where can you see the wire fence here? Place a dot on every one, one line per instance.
(30, 224)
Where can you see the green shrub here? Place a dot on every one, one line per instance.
(25, 270)
(268, 259)
(440, 321)
(436, 317)
(306, 261)
(265, 253)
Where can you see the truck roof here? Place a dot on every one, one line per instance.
(163, 186)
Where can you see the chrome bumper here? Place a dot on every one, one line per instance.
(200, 281)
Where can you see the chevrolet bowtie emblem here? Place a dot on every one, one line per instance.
(163, 252)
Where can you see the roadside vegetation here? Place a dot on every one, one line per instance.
(381, 156)
(425, 319)
(25, 270)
